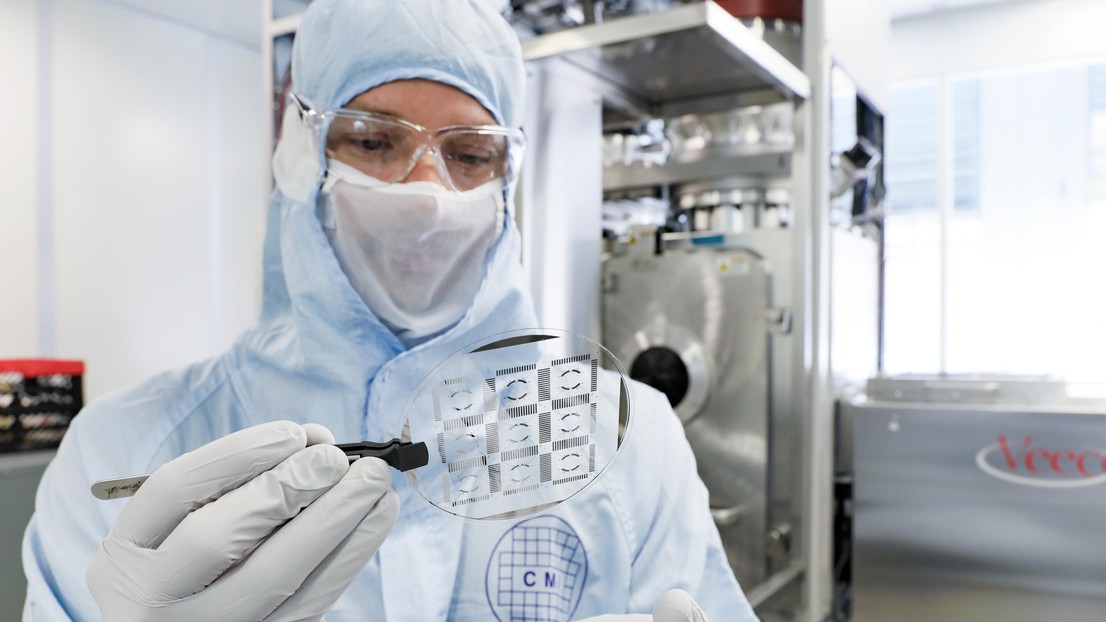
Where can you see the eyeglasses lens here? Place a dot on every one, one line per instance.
(378, 148)
(474, 158)
(387, 150)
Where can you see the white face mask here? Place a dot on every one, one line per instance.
(415, 252)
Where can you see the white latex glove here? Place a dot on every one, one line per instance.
(200, 539)
(672, 606)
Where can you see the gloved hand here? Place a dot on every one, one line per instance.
(672, 606)
(200, 539)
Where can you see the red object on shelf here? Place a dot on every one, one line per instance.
(31, 368)
(791, 10)
(38, 400)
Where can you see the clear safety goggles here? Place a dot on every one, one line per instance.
(388, 148)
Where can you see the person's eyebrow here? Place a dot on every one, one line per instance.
(362, 107)
(355, 105)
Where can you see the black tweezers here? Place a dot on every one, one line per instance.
(400, 455)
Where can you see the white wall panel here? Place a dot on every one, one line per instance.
(243, 185)
(561, 198)
(131, 198)
(159, 200)
(19, 265)
(859, 35)
(997, 37)
(235, 19)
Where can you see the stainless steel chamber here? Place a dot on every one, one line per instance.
(695, 321)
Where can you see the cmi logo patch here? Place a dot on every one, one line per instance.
(537, 572)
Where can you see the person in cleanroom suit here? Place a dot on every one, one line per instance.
(377, 266)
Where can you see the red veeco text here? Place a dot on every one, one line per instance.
(1063, 462)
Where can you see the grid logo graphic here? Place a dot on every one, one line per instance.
(537, 572)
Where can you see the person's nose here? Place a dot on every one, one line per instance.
(426, 169)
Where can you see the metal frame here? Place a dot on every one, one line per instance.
(818, 394)
(706, 18)
(802, 407)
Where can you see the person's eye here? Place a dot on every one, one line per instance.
(372, 143)
(473, 159)
(472, 154)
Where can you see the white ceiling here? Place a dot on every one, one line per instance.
(235, 20)
(911, 8)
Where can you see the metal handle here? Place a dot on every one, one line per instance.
(728, 516)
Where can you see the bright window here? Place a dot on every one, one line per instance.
(996, 225)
